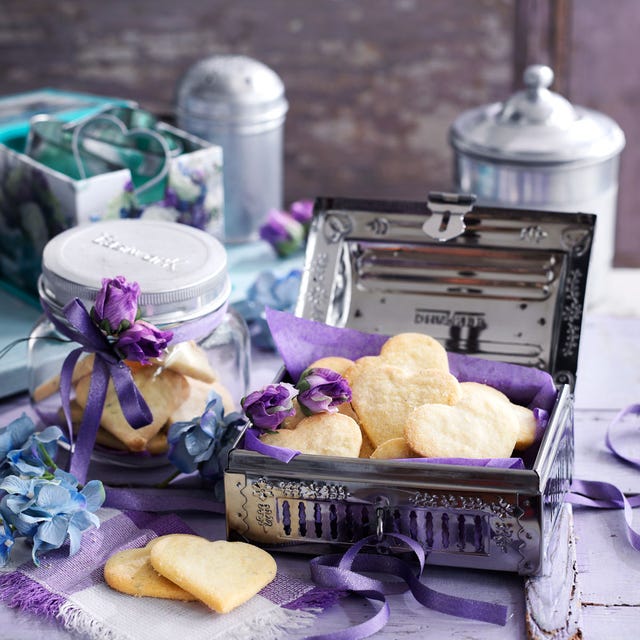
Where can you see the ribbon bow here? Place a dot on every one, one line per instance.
(343, 574)
(107, 365)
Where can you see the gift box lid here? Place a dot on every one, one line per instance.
(500, 283)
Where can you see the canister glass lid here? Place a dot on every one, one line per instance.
(231, 89)
(536, 125)
(181, 270)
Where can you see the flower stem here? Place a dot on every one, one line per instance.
(167, 481)
(46, 458)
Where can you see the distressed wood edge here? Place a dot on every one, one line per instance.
(553, 601)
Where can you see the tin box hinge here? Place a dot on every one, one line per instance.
(447, 214)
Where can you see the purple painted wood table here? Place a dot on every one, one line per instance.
(594, 591)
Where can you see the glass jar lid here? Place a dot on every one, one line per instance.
(536, 125)
(231, 89)
(181, 270)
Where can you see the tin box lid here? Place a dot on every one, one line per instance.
(536, 125)
(499, 283)
(231, 89)
(181, 270)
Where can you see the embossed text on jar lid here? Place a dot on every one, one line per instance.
(181, 270)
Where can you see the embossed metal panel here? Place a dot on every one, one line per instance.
(502, 284)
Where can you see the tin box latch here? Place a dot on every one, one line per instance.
(447, 214)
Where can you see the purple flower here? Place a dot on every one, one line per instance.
(116, 305)
(268, 407)
(282, 232)
(322, 390)
(302, 211)
(142, 341)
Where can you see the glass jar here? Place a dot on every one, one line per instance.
(184, 288)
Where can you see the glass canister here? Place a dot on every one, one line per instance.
(137, 333)
(538, 151)
(239, 104)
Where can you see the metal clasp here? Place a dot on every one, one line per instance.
(447, 214)
(382, 504)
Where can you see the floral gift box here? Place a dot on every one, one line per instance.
(117, 163)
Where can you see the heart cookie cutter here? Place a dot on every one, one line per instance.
(114, 138)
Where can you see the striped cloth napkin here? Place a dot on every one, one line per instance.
(72, 591)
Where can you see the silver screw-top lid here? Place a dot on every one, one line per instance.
(231, 90)
(181, 270)
(536, 125)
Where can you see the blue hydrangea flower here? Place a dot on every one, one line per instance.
(268, 290)
(15, 434)
(29, 460)
(203, 444)
(6, 542)
(50, 511)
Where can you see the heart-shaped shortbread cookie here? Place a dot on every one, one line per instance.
(480, 425)
(415, 351)
(325, 434)
(383, 395)
(130, 571)
(221, 574)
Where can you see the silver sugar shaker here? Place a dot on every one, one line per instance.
(239, 104)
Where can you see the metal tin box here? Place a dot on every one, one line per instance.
(502, 284)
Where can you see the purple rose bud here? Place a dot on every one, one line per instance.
(268, 407)
(302, 211)
(282, 232)
(143, 341)
(322, 391)
(116, 303)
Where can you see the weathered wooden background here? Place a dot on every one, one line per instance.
(373, 85)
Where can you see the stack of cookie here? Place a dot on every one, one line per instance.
(406, 403)
(186, 567)
(175, 388)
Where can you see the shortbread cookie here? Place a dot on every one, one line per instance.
(366, 448)
(196, 400)
(335, 363)
(383, 395)
(526, 420)
(188, 359)
(83, 367)
(325, 434)
(221, 574)
(291, 422)
(361, 364)
(163, 390)
(394, 448)
(480, 425)
(528, 427)
(415, 350)
(130, 571)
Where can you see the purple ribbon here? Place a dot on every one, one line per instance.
(341, 572)
(633, 409)
(165, 499)
(107, 365)
(604, 495)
